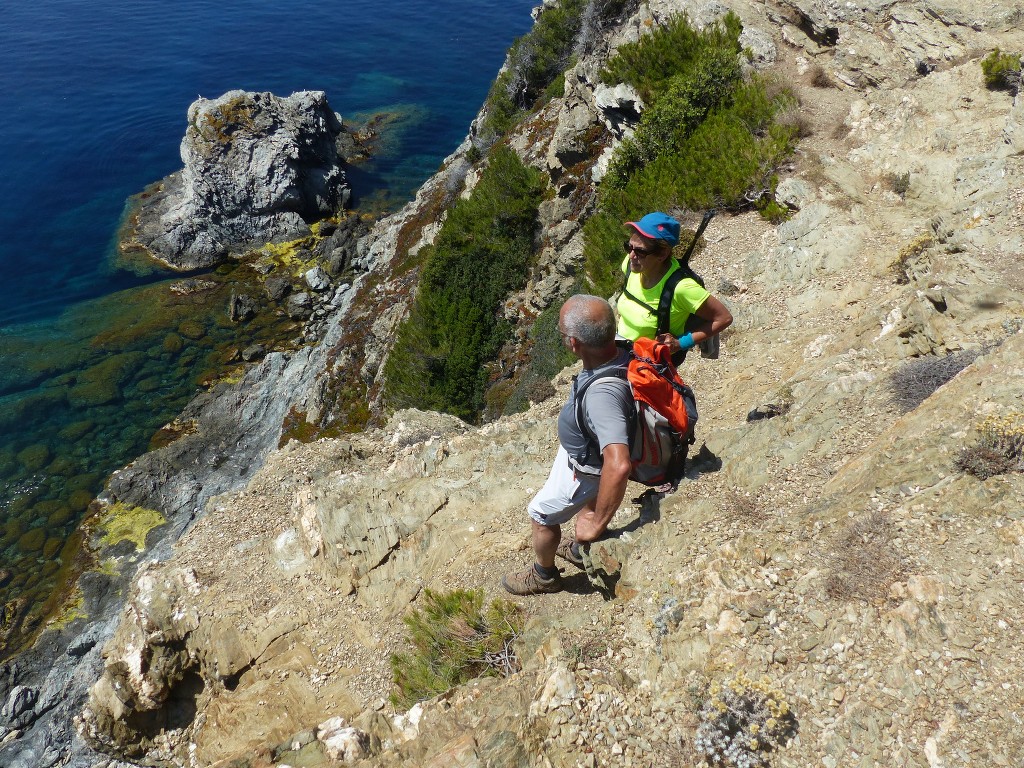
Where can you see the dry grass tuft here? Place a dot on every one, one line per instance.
(915, 381)
(798, 121)
(676, 752)
(900, 268)
(742, 505)
(840, 131)
(819, 78)
(865, 563)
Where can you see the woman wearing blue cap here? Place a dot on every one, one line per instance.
(694, 314)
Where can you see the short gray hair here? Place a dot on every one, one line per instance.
(590, 319)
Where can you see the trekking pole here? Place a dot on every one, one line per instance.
(708, 216)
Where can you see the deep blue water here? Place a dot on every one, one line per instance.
(94, 359)
(95, 96)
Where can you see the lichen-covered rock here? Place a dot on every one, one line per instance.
(258, 167)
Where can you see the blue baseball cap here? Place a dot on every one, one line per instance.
(658, 226)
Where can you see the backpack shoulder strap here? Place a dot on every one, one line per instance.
(668, 292)
(631, 297)
(581, 421)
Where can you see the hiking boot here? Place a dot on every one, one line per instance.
(529, 582)
(564, 551)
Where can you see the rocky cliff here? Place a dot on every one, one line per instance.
(828, 536)
(257, 168)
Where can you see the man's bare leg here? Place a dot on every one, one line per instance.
(545, 542)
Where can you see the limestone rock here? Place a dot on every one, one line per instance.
(794, 193)
(257, 167)
(342, 742)
(253, 352)
(619, 106)
(569, 145)
(317, 279)
(152, 659)
(761, 46)
(1013, 133)
(242, 307)
(299, 305)
(277, 287)
(17, 710)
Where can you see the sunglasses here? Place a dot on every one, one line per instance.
(641, 252)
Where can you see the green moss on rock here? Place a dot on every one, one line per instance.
(77, 430)
(191, 329)
(59, 516)
(35, 457)
(80, 499)
(173, 343)
(32, 541)
(52, 547)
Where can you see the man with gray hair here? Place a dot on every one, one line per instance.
(583, 483)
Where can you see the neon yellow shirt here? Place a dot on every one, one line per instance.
(637, 322)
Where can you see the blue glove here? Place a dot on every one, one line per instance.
(686, 342)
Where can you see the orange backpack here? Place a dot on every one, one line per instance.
(661, 429)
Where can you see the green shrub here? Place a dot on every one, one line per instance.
(708, 138)
(654, 59)
(454, 639)
(727, 161)
(535, 61)
(547, 357)
(771, 210)
(1002, 70)
(454, 327)
(680, 108)
(898, 182)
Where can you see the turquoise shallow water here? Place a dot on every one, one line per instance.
(97, 358)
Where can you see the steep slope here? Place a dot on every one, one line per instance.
(836, 547)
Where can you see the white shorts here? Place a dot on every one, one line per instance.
(565, 493)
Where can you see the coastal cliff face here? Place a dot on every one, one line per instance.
(838, 547)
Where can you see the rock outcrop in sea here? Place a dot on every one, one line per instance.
(257, 168)
(828, 536)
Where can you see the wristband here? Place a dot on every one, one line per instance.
(686, 342)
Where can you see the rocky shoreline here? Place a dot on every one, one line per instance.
(223, 435)
(283, 574)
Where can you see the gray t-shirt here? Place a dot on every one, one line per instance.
(607, 407)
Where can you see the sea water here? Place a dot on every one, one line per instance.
(94, 358)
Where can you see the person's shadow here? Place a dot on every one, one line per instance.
(649, 504)
(703, 462)
(602, 582)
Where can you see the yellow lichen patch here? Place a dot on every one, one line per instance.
(71, 610)
(233, 376)
(123, 522)
(286, 255)
(316, 226)
(108, 567)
